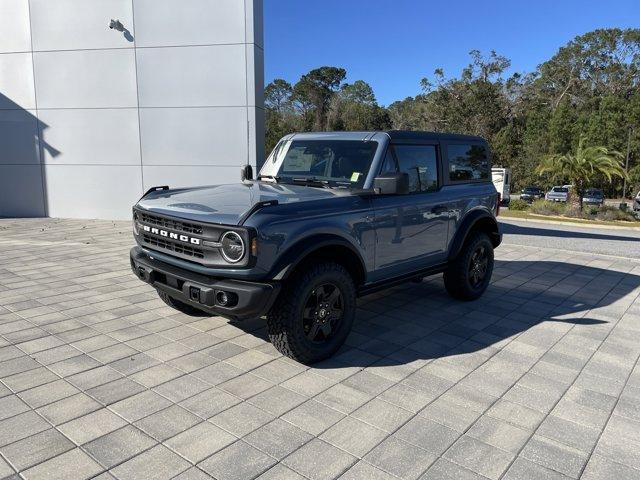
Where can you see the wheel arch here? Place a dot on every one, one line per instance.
(320, 247)
(476, 220)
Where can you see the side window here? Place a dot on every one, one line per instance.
(421, 163)
(467, 162)
(389, 163)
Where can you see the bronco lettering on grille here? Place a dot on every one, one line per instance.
(173, 236)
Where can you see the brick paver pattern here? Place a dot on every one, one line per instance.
(100, 379)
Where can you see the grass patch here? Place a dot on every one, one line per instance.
(525, 214)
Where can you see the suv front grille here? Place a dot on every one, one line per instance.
(173, 246)
(170, 223)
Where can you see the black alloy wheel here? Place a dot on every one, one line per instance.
(323, 312)
(478, 266)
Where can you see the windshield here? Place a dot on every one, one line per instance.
(560, 189)
(531, 190)
(334, 163)
(594, 193)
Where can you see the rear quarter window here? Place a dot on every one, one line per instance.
(468, 162)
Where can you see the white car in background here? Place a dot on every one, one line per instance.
(557, 194)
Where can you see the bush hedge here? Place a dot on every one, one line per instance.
(517, 204)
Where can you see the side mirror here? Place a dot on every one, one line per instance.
(246, 173)
(391, 184)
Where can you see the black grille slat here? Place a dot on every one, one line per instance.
(173, 246)
(171, 224)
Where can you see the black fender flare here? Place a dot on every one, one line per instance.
(475, 218)
(296, 253)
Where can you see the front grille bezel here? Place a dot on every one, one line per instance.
(205, 254)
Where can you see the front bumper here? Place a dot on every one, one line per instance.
(248, 299)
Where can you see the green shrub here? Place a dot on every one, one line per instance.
(544, 207)
(517, 204)
(591, 210)
(607, 212)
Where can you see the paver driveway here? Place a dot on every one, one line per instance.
(538, 379)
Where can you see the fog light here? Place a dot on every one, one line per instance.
(222, 298)
(226, 299)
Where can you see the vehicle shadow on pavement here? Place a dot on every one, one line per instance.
(419, 321)
(512, 229)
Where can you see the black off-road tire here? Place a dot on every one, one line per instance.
(181, 306)
(457, 278)
(284, 321)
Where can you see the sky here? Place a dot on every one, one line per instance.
(393, 44)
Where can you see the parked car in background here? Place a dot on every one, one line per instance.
(593, 196)
(501, 178)
(557, 194)
(636, 203)
(531, 194)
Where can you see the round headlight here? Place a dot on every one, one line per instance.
(232, 247)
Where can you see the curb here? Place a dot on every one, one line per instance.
(570, 224)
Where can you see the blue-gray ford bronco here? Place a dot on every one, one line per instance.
(330, 217)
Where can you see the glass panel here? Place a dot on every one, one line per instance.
(420, 162)
(343, 163)
(468, 162)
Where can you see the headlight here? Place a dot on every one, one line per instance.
(135, 223)
(232, 248)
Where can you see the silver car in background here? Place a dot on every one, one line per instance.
(557, 194)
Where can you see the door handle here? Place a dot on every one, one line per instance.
(439, 209)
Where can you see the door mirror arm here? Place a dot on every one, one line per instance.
(391, 184)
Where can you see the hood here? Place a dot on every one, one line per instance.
(229, 204)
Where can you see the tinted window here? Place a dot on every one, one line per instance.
(420, 162)
(468, 162)
(389, 164)
(560, 190)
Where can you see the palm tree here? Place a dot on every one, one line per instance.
(582, 168)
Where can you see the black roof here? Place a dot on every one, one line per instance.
(417, 135)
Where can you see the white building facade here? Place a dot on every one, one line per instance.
(92, 116)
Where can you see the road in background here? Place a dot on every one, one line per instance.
(609, 241)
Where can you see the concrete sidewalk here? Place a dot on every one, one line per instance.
(99, 379)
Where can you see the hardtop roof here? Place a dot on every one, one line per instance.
(394, 135)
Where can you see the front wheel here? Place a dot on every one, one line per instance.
(468, 276)
(313, 314)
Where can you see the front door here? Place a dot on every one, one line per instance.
(411, 230)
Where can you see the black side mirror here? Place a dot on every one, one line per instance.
(391, 184)
(246, 173)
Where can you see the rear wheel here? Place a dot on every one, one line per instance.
(314, 313)
(468, 276)
(181, 306)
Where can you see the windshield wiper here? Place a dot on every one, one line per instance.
(311, 181)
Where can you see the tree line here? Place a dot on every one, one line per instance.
(589, 92)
